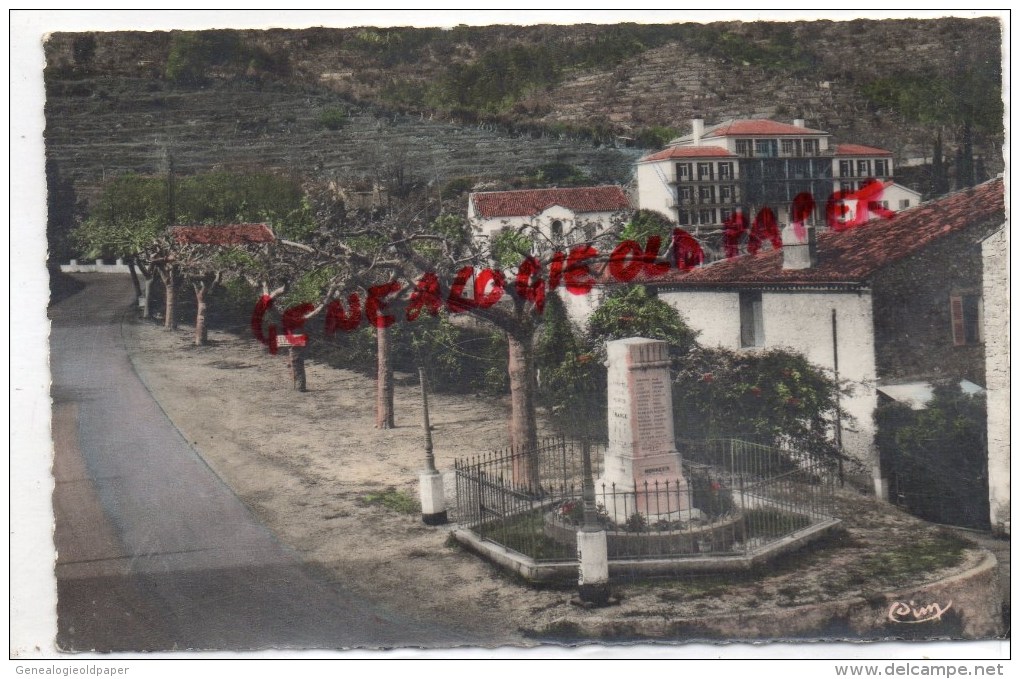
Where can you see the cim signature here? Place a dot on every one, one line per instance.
(912, 614)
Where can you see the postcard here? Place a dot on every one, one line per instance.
(647, 333)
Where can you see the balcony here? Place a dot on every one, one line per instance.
(717, 201)
(715, 179)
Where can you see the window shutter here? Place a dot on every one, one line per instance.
(956, 313)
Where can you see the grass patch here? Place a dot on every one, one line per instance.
(524, 533)
(771, 523)
(944, 549)
(679, 588)
(392, 499)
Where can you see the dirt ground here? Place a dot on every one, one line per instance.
(304, 463)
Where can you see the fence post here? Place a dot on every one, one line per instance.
(592, 544)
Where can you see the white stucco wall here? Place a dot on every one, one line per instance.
(801, 322)
(544, 220)
(487, 227)
(714, 314)
(654, 189)
(995, 255)
(579, 308)
(895, 193)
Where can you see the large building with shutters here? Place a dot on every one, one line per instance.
(702, 179)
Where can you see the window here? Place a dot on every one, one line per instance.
(966, 314)
(683, 172)
(684, 217)
(791, 147)
(725, 170)
(744, 148)
(862, 168)
(752, 325)
(799, 169)
(881, 168)
(706, 194)
(846, 168)
(725, 194)
(810, 147)
(766, 148)
(725, 214)
(706, 216)
(904, 204)
(705, 171)
(556, 228)
(686, 193)
(846, 187)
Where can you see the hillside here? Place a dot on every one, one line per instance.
(500, 101)
(101, 127)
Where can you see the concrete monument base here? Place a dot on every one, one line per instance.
(643, 472)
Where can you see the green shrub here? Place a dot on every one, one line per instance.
(936, 458)
(193, 54)
(332, 118)
(647, 223)
(768, 397)
(655, 136)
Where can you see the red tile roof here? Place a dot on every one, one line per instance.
(689, 152)
(226, 234)
(531, 202)
(860, 150)
(751, 127)
(853, 256)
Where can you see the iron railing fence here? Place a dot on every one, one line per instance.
(735, 497)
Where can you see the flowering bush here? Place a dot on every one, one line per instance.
(768, 397)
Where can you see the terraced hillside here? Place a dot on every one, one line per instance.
(827, 72)
(102, 127)
(633, 93)
(500, 100)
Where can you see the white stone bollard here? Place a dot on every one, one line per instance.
(433, 500)
(593, 567)
(120, 262)
(74, 262)
(99, 262)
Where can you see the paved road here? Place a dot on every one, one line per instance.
(155, 552)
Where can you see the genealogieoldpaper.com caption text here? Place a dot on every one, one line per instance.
(69, 671)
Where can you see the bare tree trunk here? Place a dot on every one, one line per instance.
(297, 368)
(523, 428)
(201, 329)
(384, 380)
(134, 277)
(170, 283)
(146, 295)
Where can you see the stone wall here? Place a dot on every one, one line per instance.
(99, 266)
(913, 326)
(995, 252)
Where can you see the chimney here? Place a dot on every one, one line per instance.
(697, 130)
(799, 253)
(799, 122)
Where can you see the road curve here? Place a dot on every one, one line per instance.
(154, 551)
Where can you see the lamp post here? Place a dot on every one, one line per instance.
(430, 481)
